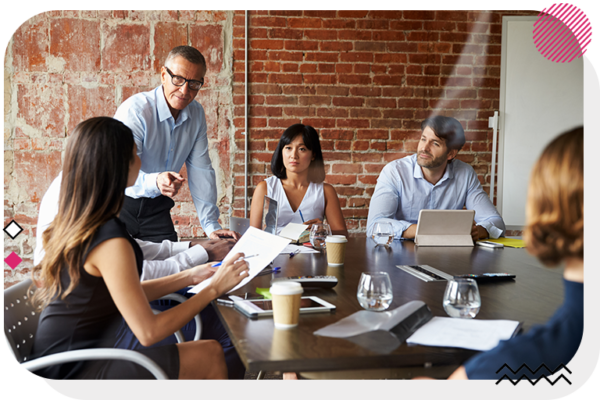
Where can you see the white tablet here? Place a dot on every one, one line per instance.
(264, 308)
(445, 228)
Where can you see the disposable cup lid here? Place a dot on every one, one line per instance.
(336, 239)
(282, 288)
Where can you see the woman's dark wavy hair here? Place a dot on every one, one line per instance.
(316, 170)
(554, 209)
(94, 177)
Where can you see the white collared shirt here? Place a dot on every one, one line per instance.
(164, 144)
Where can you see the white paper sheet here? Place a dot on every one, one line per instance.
(290, 248)
(293, 231)
(254, 241)
(471, 334)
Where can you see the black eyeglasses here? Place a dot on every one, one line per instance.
(180, 81)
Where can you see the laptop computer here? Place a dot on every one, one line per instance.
(445, 228)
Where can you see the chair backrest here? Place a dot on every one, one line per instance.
(20, 319)
(239, 225)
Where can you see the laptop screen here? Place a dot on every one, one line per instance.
(270, 214)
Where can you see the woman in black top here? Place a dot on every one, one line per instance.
(89, 277)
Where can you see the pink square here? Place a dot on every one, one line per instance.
(13, 260)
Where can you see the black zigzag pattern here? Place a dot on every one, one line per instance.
(550, 372)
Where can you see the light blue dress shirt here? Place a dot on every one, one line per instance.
(402, 192)
(164, 144)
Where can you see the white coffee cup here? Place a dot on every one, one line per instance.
(286, 304)
(336, 249)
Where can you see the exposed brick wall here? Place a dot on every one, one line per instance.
(363, 79)
(62, 67)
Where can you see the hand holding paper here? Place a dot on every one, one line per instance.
(266, 247)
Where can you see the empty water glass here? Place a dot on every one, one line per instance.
(461, 299)
(375, 291)
(383, 233)
(318, 233)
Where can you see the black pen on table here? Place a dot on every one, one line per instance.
(241, 259)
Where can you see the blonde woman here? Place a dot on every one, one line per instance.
(89, 277)
(554, 234)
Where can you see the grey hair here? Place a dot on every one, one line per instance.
(189, 53)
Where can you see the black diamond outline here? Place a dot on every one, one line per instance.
(6, 229)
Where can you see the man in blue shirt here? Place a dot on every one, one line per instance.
(169, 128)
(432, 179)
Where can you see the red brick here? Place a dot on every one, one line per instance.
(285, 55)
(291, 13)
(372, 134)
(387, 122)
(42, 107)
(385, 14)
(355, 79)
(308, 68)
(301, 45)
(419, 15)
(268, 44)
(336, 46)
(208, 39)
(343, 145)
(403, 47)
(367, 179)
(365, 113)
(336, 134)
(326, 68)
(360, 145)
(126, 47)
(373, 24)
(352, 123)
(365, 91)
(329, 112)
(383, 103)
(35, 171)
(451, 15)
(299, 111)
(389, 36)
(167, 35)
(87, 103)
(355, 35)
(320, 34)
(347, 101)
(391, 58)
(285, 78)
(352, 14)
(298, 89)
(422, 80)
(388, 80)
(341, 179)
(284, 33)
(77, 42)
(315, 100)
(304, 22)
(339, 24)
(31, 46)
(319, 123)
(267, 21)
(343, 68)
(346, 168)
(321, 14)
(356, 57)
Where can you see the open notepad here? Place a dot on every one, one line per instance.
(471, 334)
(297, 233)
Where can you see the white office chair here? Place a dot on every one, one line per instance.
(20, 325)
(239, 225)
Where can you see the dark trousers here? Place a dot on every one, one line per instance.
(149, 219)
(211, 329)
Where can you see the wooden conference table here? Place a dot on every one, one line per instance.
(532, 299)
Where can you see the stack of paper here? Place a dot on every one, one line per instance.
(471, 334)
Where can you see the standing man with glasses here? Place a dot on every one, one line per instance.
(169, 128)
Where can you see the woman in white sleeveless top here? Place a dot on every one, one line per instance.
(298, 186)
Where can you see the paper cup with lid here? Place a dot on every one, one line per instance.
(286, 304)
(336, 250)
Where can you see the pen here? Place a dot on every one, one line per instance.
(293, 253)
(242, 259)
(301, 216)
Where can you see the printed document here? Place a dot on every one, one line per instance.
(260, 244)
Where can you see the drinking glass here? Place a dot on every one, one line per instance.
(383, 233)
(461, 299)
(318, 233)
(375, 291)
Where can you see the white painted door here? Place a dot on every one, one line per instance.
(539, 99)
